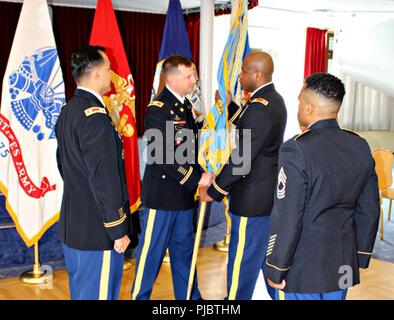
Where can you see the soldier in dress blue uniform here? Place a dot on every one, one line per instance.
(252, 192)
(326, 211)
(170, 182)
(94, 213)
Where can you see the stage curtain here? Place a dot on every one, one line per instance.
(141, 34)
(193, 32)
(315, 52)
(9, 15)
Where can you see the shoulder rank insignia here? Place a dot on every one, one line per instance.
(156, 104)
(301, 134)
(93, 110)
(350, 131)
(260, 100)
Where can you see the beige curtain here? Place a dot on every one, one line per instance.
(365, 109)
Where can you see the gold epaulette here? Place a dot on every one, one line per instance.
(350, 131)
(156, 104)
(301, 134)
(93, 110)
(260, 100)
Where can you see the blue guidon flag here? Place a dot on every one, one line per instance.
(174, 41)
(31, 98)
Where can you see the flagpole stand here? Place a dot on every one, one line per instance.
(222, 245)
(166, 258)
(127, 259)
(127, 264)
(37, 275)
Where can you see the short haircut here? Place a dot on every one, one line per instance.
(326, 85)
(84, 59)
(172, 62)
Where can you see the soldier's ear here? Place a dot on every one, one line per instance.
(309, 108)
(171, 79)
(258, 76)
(94, 74)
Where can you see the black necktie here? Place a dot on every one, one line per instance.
(187, 104)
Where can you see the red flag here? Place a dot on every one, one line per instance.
(121, 100)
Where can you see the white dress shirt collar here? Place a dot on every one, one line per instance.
(264, 85)
(98, 96)
(181, 99)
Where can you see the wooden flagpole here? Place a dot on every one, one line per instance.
(195, 250)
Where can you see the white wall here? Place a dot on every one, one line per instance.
(221, 29)
(284, 39)
(283, 34)
(365, 51)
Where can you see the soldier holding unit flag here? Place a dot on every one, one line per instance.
(251, 192)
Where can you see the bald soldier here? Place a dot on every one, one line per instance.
(326, 212)
(250, 183)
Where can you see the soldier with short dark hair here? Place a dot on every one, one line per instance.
(326, 210)
(95, 210)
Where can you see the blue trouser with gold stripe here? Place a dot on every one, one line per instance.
(333, 295)
(93, 274)
(163, 229)
(246, 255)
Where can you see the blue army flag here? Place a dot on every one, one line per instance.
(174, 41)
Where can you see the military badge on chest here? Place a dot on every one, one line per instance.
(179, 124)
